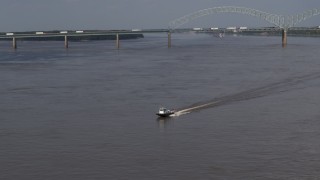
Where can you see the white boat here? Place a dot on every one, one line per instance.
(164, 112)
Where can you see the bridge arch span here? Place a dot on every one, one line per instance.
(281, 21)
(271, 18)
(296, 19)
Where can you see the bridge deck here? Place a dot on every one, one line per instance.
(91, 33)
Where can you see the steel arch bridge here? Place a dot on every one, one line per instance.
(281, 21)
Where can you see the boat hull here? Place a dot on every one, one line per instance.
(165, 115)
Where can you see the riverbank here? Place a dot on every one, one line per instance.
(293, 32)
(273, 31)
(260, 31)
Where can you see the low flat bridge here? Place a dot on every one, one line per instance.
(282, 21)
(67, 34)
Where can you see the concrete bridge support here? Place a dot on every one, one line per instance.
(284, 37)
(117, 41)
(66, 42)
(14, 43)
(169, 39)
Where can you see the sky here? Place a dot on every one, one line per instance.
(42, 15)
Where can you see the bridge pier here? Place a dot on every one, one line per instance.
(284, 37)
(169, 39)
(66, 42)
(117, 41)
(14, 43)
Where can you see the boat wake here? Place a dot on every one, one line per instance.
(278, 87)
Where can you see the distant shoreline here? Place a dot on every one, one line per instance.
(299, 33)
(272, 31)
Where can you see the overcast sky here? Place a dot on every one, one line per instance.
(25, 15)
